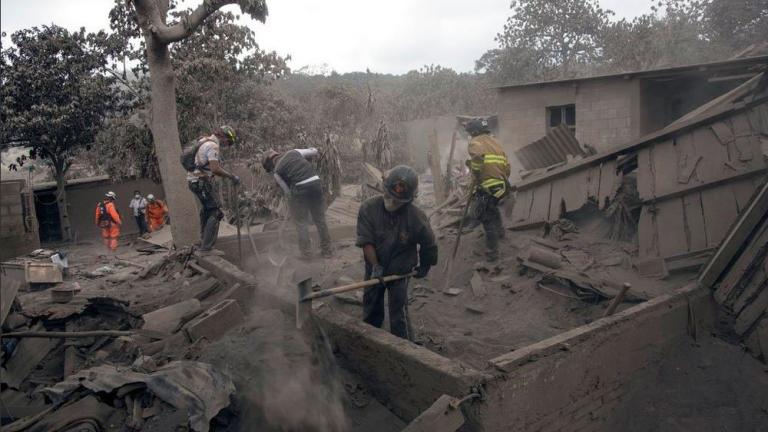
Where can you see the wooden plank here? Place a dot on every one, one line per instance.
(719, 212)
(522, 209)
(645, 173)
(696, 231)
(743, 190)
(647, 235)
(574, 190)
(752, 312)
(723, 131)
(609, 182)
(541, 202)
(670, 224)
(688, 160)
(736, 237)
(762, 336)
(25, 358)
(735, 273)
(714, 156)
(557, 199)
(8, 290)
(665, 168)
(756, 280)
(593, 182)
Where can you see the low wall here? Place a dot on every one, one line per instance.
(573, 381)
(570, 382)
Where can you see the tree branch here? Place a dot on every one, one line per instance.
(169, 34)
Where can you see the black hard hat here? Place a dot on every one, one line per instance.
(401, 182)
(477, 127)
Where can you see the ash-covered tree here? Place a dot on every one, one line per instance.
(56, 95)
(674, 32)
(545, 39)
(152, 17)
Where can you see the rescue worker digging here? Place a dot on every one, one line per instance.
(299, 181)
(108, 219)
(201, 160)
(490, 172)
(395, 236)
(157, 213)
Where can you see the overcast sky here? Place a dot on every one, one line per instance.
(392, 36)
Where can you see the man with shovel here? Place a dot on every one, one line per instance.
(395, 236)
(299, 181)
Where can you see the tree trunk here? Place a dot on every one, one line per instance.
(165, 131)
(61, 201)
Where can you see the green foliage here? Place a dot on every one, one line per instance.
(257, 9)
(55, 93)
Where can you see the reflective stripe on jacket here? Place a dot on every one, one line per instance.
(489, 165)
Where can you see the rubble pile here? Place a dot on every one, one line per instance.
(86, 360)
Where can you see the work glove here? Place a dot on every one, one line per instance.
(422, 271)
(377, 272)
(235, 179)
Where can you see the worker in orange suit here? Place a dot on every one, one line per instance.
(157, 213)
(108, 219)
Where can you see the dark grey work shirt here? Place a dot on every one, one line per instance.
(402, 239)
(293, 168)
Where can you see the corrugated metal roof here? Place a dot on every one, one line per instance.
(699, 67)
(550, 150)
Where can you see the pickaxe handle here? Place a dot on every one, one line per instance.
(353, 286)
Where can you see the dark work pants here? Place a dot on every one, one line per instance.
(373, 307)
(210, 212)
(141, 221)
(486, 209)
(307, 200)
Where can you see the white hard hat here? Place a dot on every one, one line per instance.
(111, 194)
(151, 197)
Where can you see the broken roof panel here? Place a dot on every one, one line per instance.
(555, 147)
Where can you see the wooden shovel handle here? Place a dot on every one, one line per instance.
(353, 286)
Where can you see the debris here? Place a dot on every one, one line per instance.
(25, 358)
(544, 257)
(166, 319)
(452, 292)
(64, 294)
(16, 404)
(501, 278)
(617, 300)
(73, 334)
(578, 258)
(353, 298)
(9, 288)
(559, 228)
(101, 271)
(440, 416)
(652, 267)
(476, 309)
(191, 387)
(614, 260)
(478, 286)
(214, 322)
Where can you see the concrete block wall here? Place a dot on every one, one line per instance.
(15, 238)
(607, 112)
(574, 381)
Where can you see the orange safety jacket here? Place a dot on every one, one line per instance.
(156, 211)
(112, 211)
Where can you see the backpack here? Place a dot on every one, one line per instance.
(189, 153)
(105, 220)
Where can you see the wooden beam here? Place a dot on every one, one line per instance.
(434, 165)
(739, 233)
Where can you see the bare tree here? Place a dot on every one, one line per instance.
(158, 35)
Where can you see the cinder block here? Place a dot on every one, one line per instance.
(214, 322)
